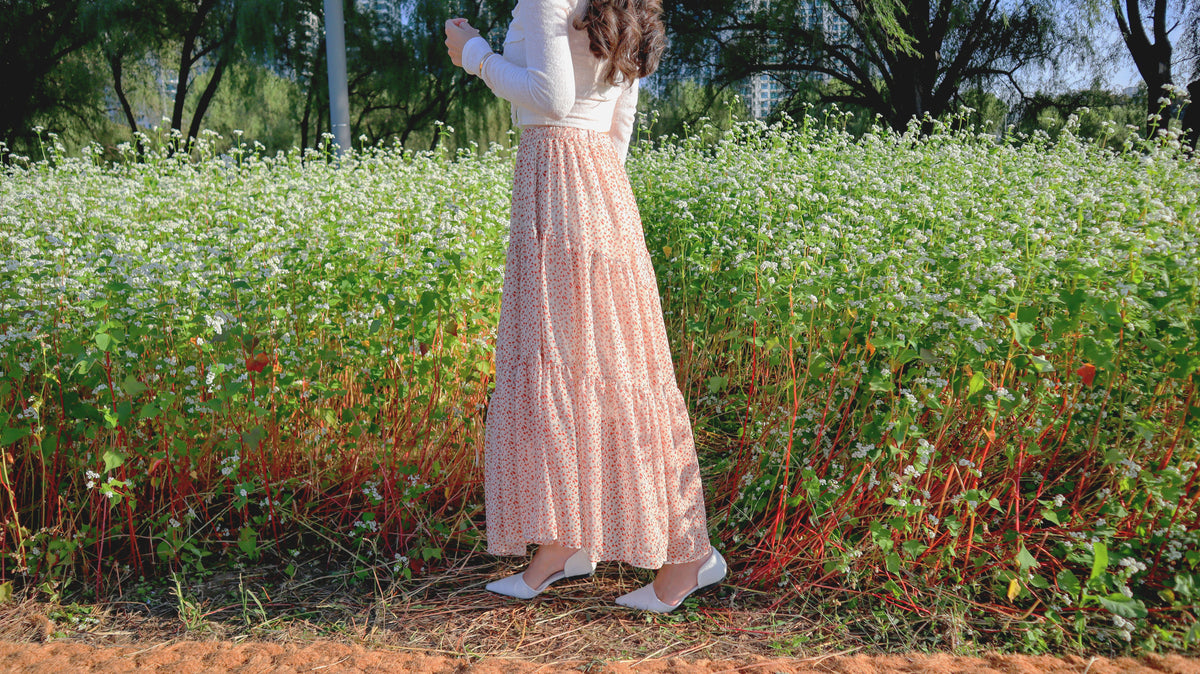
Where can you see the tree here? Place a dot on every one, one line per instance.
(897, 58)
(206, 35)
(402, 80)
(40, 45)
(1153, 53)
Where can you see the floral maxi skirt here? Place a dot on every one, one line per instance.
(588, 440)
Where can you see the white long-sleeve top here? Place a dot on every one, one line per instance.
(549, 74)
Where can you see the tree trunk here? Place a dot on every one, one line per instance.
(312, 99)
(308, 104)
(1155, 90)
(186, 59)
(1191, 116)
(1153, 59)
(210, 89)
(114, 62)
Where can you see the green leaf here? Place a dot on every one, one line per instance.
(892, 561)
(252, 436)
(1050, 516)
(882, 536)
(1099, 561)
(1068, 581)
(248, 541)
(1186, 585)
(1193, 634)
(1123, 606)
(1021, 331)
(1073, 299)
(103, 340)
(976, 384)
(11, 435)
(1041, 364)
(880, 384)
(428, 300)
(1025, 560)
(716, 383)
(112, 459)
(5, 591)
(49, 446)
(134, 387)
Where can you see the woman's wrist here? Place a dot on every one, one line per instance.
(475, 52)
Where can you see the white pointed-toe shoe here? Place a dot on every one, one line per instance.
(710, 573)
(576, 566)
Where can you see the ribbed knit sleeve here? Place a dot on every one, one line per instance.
(547, 84)
(623, 119)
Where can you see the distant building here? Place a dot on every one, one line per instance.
(763, 92)
(386, 14)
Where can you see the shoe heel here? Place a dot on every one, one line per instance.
(578, 565)
(709, 589)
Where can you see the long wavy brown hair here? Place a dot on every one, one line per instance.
(627, 34)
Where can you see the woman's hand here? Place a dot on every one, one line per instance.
(458, 31)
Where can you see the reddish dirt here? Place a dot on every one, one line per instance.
(336, 657)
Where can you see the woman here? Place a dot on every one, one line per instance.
(588, 449)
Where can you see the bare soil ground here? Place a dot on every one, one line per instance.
(336, 656)
(316, 621)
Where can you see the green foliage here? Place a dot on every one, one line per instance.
(962, 361)
(256, 105)
(684, 105)
(955, 362)
(898, 59)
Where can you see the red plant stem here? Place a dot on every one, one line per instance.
(137, 559)
(266, 475)
(787, 456)
(1187, 405)
(776, 560)
(101, 532)
(1187, 489)
(735, 475)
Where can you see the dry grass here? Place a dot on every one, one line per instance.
(449, 613)
(449, 623)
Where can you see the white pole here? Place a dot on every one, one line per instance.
(335, 53)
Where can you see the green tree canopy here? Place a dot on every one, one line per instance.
(896, 58)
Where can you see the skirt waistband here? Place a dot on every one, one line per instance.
(561, 132)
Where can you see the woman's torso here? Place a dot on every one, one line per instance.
(595, 100)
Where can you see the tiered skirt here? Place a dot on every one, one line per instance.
(588, 440)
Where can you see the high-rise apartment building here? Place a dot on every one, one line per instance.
(386, 14)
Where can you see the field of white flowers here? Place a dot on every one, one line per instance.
(958, 363)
